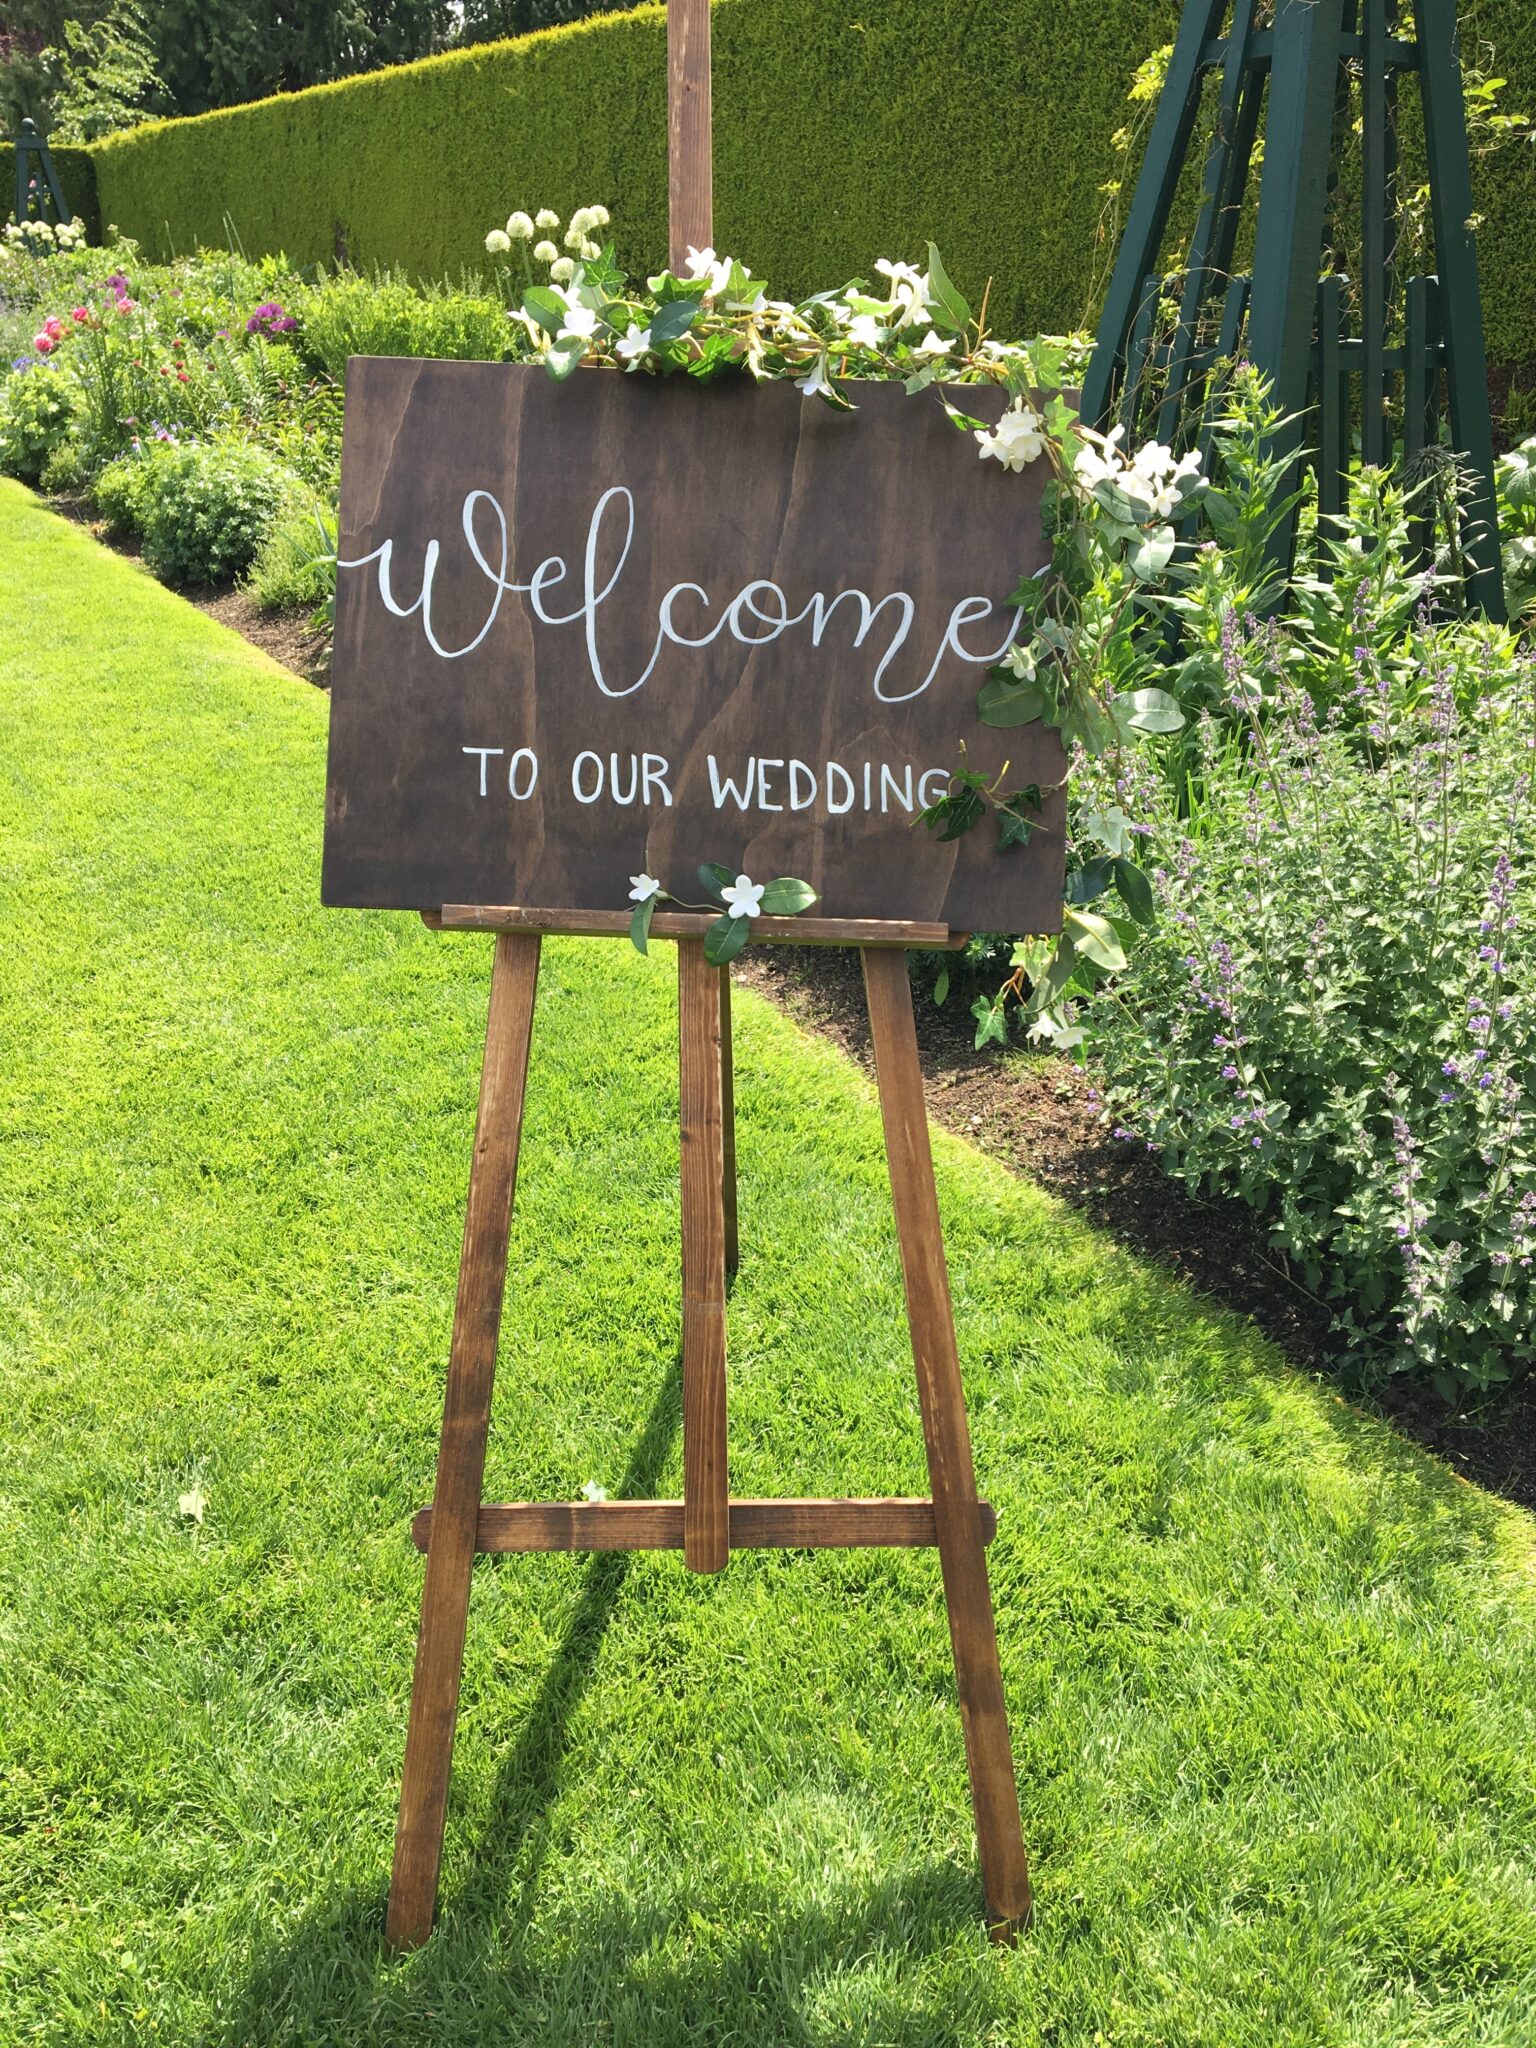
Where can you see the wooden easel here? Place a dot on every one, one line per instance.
(706, 1524)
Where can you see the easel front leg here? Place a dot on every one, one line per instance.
(461, 1453)
(706, 1506)
(946, 1433)
(728, 1124)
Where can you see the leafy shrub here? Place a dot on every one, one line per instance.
(121, 494)
(386, 315)
(295, 566)
(207, 509)
(1331, 1017)
(39, 407)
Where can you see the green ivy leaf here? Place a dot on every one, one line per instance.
(958, 813)
(725, 939)
(787, 897)
(640, 923)
(957, 314)
(672, 321)
(1111, 828)
(991, 1023)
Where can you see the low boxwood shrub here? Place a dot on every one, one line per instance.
(120, 493)
(39, 407)
(207, 508)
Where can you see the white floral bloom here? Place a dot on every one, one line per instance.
(910, 298)
(562, 270)
(630, 349)
(520, 227)
(579, 324)
(642, 887)
(545, 252)
(865, 331)
(1020, 661)
(1098, 464)
(816, 382)
(1017, 440)
(744, 897)
(546, 219)
(497, 243)
(592, 1491)
(933, 344)
(590, 251)
(599, 216)
(574, 237)
(699, 261)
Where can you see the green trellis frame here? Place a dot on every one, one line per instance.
(37, 183)
(1286, 68)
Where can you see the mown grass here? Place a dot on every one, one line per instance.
(1271, 1670)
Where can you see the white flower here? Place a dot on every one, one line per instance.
(744, 897)
(1020, 661)
(909, 294)
(699, 261)
(545, 219)
(520, 227)
(598, 216)
(589, 251)
(865, 331)
(545, 252)
(497, 243)
(1101, 464)
(580, 322)
(574, 237)
(814, 384)
(1018, 438)
(642, 888)
(634, 345)
(592, 1491)
(933, 344)
(562, 270)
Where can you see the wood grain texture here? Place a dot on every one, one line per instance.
(706, 1520)
(461, 1451)
(690, 151)
(682, 924)
(946, 1434)
(521, 1526)
(779, 748)
(728, 1125)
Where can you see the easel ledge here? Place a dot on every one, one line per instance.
(687, 924)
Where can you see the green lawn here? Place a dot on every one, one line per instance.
(1272, 1672)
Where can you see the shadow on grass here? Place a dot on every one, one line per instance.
(630, 1971)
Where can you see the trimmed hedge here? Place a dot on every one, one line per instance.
(982, 123)
(76, 170)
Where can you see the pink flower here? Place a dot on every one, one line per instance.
(43, 343)
(80, 315)
(54, 326)
(127, 305)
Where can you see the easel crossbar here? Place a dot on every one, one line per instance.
(658, 1525)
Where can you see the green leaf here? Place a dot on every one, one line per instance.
(1029, 593)
(787, 897)
(1003, 702)
(1012, 830)
(1095, 938)
(671, 322)
(1135, 890)
(1150, 555)
(957, 314)
(1147, 711)
(562, 359)
(716, 880)
(941, 986)
(1087, 883)
(990, 1021)
(640, 923)
(1111, 828)
(725, 939)
(957, 813)
(545, 306)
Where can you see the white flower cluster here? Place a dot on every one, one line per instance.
(522, 228)
(45, 238)
(1150, 485)
(1017, 440)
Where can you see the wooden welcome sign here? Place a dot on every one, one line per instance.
(627, 623)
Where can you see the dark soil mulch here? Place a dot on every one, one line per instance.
(1033, 1113)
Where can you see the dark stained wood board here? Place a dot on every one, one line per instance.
(729, 484)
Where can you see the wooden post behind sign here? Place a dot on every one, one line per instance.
(707, 1524)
